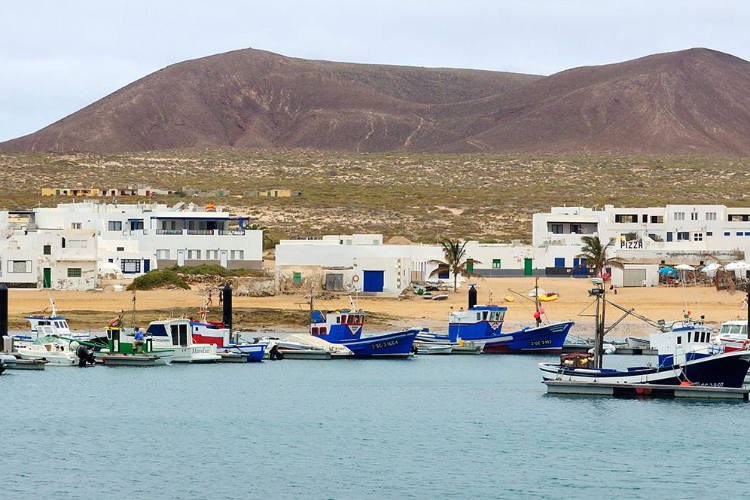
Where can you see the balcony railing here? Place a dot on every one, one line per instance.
(203, 232)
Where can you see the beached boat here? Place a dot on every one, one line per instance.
(345, 328)
(685, 356)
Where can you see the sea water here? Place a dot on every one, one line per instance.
(428, 427)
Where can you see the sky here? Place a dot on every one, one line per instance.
(58, 56)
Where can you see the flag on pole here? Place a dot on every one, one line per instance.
(210, 207)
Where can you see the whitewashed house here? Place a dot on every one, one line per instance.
(121, 240)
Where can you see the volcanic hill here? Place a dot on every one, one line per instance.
(689, 102)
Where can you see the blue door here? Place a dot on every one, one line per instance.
(373, 281)
(579, 267)
(559, 261)
(669, 236)
(146, 265)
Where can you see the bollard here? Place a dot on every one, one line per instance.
(3, 310)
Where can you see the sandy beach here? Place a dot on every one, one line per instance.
(654, 303)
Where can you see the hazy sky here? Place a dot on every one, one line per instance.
(57, 56)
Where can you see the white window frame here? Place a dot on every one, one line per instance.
(114, 225)
(710, 215)
(679, 216)
(12, 266)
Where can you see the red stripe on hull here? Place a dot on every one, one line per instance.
(202, 339)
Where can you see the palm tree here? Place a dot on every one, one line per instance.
(454, 252)
(596, 255)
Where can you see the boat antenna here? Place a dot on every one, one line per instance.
(132, 321)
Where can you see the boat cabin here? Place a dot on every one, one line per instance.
(43, 326)
(173, 331)
(682, 344)
(337, 325)
(476, 322)
(735, 329)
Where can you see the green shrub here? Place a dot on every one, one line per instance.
(205, 270)
(158, 278)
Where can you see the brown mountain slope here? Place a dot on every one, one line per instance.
(693, 101)
(251, 98)
(689, 102)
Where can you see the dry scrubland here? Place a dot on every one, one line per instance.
(419, 196)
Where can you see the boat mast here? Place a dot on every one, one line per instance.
(599, 292)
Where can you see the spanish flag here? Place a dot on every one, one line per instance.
(210, 207)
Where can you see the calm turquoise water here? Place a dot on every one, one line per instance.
(430, 427)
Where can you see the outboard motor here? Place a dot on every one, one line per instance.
(472, 295)
(84, 356)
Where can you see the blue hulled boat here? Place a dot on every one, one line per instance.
(686, 356)
(345, 328)
(484, 324)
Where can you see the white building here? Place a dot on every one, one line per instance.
(645, 238)
(358, 262)
(121, 240)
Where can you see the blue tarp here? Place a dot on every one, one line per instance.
(667, 271)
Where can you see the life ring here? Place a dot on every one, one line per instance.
(355, 278)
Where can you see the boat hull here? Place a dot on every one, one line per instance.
(135, 359)
(252, 352)
(721, 370)
(545, 339)
(390, 345)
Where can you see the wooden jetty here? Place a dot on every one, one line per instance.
(566, 387)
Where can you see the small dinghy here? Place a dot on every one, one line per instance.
(433, 348)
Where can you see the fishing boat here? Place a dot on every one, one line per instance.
(733, 335)
(345, 328)
(120, 353)
(49, 326)
(686, 357)
(166, 335)
(216, 333)
(483, 324)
